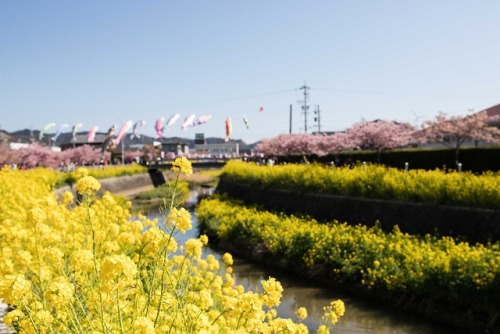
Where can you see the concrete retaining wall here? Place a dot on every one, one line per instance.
(117, 184)
(471, 224)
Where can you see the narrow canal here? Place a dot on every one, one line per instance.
(361, 316)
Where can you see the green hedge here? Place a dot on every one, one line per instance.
(476, 160)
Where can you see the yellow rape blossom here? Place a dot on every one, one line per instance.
(301, 313)
(179, 219)
(82, 260)
(334, 311)
(193, 248)
(80, 172)
(227, 259)
(143, 325)
(323, 329)
(183, 166)
(60, 291)
(67, 198)
(204, 239)
(14, 288)
(116, 266)
(87, 185)
(13, 317)
(272, 292)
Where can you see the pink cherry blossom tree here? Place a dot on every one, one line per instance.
(39, 155)
(6, 155)
(380, 135)
(336, 142)
(279, 145)
(303, 144)
(36, 155)
(84, 154)
(454, 131)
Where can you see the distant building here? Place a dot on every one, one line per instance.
(493, 115)
(218, 150)
(18, 146)
(199, 139)
(176, 147)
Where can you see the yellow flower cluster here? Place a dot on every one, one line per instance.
(334, 311)
(395, 262)
(182, 165)
(374, 181)
(273, 290)
(227, 259)
(301, 313)
(179, 219)
(92, 268)
(87, 185)
(194, 247)
(80, 173)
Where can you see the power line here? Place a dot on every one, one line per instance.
(249, 96)
(447, 95)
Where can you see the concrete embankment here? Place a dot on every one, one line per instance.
(471, 224)
(124, 185)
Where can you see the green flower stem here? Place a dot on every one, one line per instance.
(96, 271)
(120, 319)
(39, 262)
(162, 281)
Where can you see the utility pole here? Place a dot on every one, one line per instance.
(317, 119)
(290, 129)
(305, 106)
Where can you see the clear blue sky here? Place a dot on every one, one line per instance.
(105, 62)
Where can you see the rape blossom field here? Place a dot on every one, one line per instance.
(374, 181)
(90, 267)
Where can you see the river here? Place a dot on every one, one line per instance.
(361, 316)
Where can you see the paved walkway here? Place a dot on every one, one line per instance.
(4, 329)
(130, 193)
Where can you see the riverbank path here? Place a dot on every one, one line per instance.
(3, 328)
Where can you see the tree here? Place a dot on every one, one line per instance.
(380, 135)
(303, 144)
(36, 155)
(377, 135)
(6, 155)
(83, 154)
(284, 144)
(455, 130)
